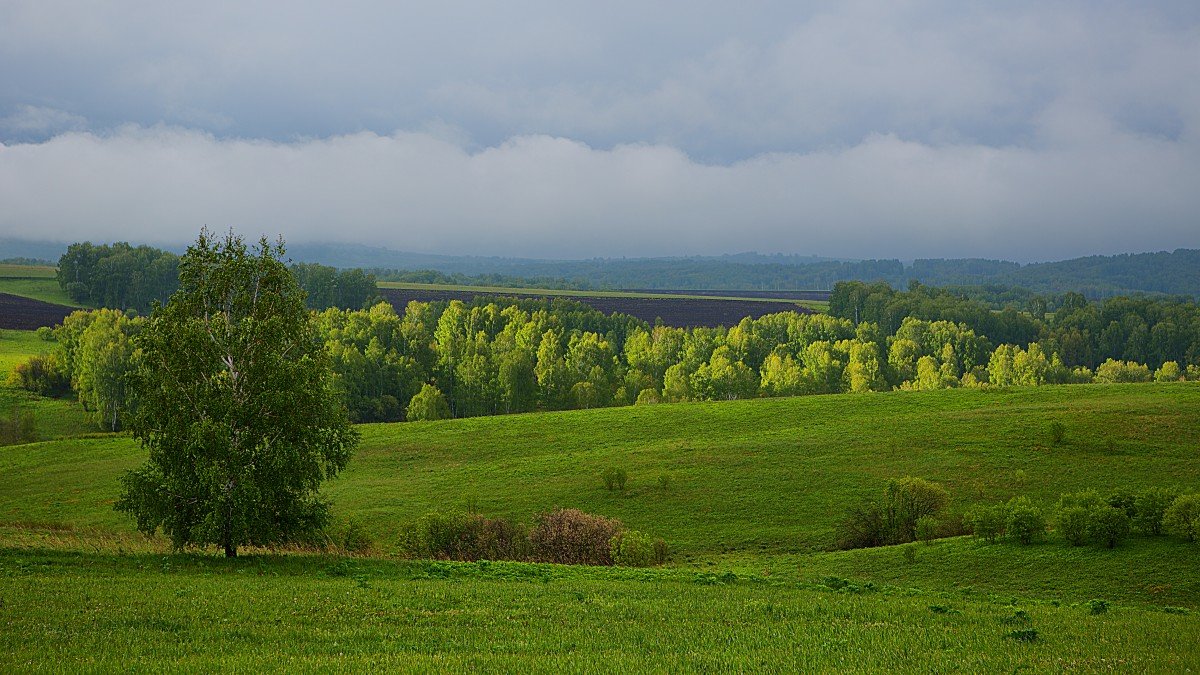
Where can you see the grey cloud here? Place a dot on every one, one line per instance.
(543, 195)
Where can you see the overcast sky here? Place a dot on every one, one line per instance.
(1026, 131)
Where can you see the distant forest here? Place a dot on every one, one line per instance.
(125, 277)
(995, 282)
(1096, 277)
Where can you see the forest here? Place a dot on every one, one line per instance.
(128, 277)
(497, 355)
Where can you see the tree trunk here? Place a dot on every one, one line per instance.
(227, 526)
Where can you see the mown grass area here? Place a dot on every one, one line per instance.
(816, 305)
(79, 611)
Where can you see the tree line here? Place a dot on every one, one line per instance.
(1150, 331)
(497, 356)
(126, 277)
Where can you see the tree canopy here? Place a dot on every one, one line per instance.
(235, 405)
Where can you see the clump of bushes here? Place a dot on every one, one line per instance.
(614, 479)
(893, 519)
(1183, 517)
(564, 536)
(634, 549)
(1018, 519)
(42, 375)
(465, 536)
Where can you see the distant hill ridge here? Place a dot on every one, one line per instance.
(1172, 273)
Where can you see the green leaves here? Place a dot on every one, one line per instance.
(236, 405)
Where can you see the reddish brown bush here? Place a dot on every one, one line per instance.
(572, 537)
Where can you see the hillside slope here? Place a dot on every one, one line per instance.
(760, 476)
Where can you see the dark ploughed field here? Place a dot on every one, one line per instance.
(19, 313)
(682, 312)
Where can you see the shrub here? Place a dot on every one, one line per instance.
(894, 519)
(632, 549)
(1168, 372)
(1073, 524)
(1108, 526)
(926, 529)
(1183, 517)
(355, 539)
(465, 536)
(1057, 432)
(18, 427)
(664, 482)
(648, 397)
(1122, 371)
(660, 551)
(1150, 505)
(41, 375)
(614, 479)
(1097, 606)
(864, 527)
(428, 404)
(987, 522)
(572, 537)
(910, 553)
(906, 501)
(1025, 521)
(1125, 500)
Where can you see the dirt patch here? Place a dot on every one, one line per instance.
(20, 313)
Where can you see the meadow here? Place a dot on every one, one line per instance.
(37, 282)
(749, 495)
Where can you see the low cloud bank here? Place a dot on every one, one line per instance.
(1076, 191)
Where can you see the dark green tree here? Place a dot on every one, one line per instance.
(235, 405)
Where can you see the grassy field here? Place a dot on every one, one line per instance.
(35, 282)
(54, 419)
(72, 611)
(28, 271)
(752, 495)
(815, 305)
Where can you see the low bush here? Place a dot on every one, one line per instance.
(1183, 517)
(1150, 506)
(987, 521)
(1073, 525)
(19, 426)
(1108, 526)
(1057, 432)
(466, 536)
(893, 520)
(614, 479)
(632, 549)
(1097, 606)
(41, 375)
(1025, 522)
(926, 529)
(572, 537)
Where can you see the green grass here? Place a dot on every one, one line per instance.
(46, 290)
(28, 271)
(761, 476)
(755, 492)
(816, 305)
(17, 346)
(54, 418)
(72, 611)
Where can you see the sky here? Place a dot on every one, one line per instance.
(1018, 130)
